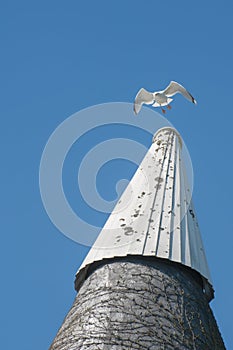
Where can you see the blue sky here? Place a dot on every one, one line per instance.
(58, 58)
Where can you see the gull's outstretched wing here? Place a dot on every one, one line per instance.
(143, 96)
(175, 88)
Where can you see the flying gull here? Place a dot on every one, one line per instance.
(160, 98)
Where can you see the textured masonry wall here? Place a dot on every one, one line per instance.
(125, 305)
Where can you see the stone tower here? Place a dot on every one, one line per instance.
(145, 283)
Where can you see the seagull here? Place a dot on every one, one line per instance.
(160, 98)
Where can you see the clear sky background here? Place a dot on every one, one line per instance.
(59, 57)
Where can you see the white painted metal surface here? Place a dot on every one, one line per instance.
(155, 215)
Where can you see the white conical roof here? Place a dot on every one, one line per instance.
(154, 216)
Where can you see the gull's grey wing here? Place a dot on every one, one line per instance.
(175, 88)
(143, 96)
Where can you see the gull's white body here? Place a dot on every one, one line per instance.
(160, 98)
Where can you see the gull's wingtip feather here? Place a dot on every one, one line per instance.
(136, 108)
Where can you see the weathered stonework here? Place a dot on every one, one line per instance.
(140, 304)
